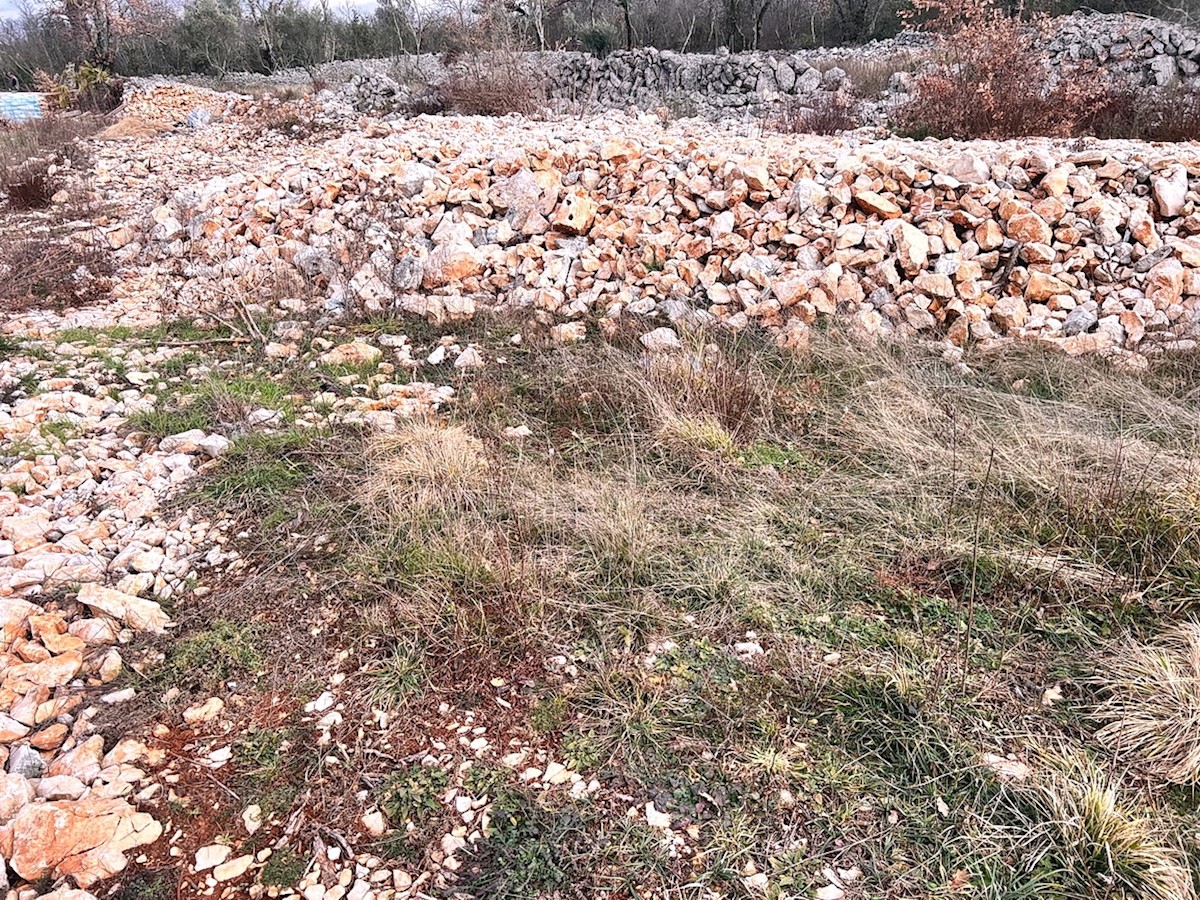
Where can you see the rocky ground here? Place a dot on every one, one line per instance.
(337, 556)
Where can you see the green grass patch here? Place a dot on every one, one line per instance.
(206, 659)
(398, 676)
(284, 869)
(161, 423)
(150, 884)
(799, 600)
(260, 469)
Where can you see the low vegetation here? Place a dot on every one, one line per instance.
(848, 610)
(34, 155)
(52, 272)
(832, 112)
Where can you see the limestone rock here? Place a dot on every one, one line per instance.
(356, 353)
(877, 205)
(451, 263)
(84, 839)
(1170, 191)
(661, 339)
(138, 614)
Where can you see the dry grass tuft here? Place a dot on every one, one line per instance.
(1152, 704)
(289, 118)
(713, 390)
(1106, 456)
(44, 137)
(1076, 812)
(703, 433)
(871, 75)
(426, 469)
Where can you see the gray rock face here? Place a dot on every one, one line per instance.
(367, 92)
(25, 761)
(1082, 319)
(406, 274)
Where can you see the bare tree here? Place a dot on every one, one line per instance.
(261, 13)
(536, 13)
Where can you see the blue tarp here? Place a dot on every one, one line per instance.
(20, 107)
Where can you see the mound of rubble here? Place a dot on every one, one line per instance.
(166, 105)
(1092, 248)
(86, 555)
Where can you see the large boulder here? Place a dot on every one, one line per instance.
(82, 839)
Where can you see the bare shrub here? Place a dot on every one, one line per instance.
(290, 118)
(487, 76)
(30, 185)
(1152, 704)
(994, 79)
(494, 88)
(1147, 114)
(831, 112)
(39, 273)
(429, 102)
(34, 155)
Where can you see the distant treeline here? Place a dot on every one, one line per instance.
(214, 37)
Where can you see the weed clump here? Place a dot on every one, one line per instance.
(284, 869)
(209, 658)
(413, 793)
(528, 848)
(260, 469)
(488, 76)
(1170, 114)
(492, 92)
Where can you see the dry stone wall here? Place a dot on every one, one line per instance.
(1147, 51)
(1144, 51)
